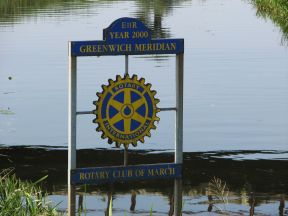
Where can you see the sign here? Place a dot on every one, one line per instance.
(100, 175)
(126, 110)
(127, 36)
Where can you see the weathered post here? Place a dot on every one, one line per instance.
(126, 73)
(72, 101)
(179, 131)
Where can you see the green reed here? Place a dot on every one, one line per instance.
(277, 11)
(21, 198)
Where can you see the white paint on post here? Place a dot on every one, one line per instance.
(179, 109)
(72, 101)
(126, 73)
(179, 131)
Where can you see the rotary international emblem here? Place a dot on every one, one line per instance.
(126, 110)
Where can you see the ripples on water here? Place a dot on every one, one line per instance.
(235, 72)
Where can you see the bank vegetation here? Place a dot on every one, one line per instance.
(22, 198)
(277, 11)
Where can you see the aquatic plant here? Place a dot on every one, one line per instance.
(21, 198)
(151, 211)
(6, 112)
(218, 193)
(110, 207)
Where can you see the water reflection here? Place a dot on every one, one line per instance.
(252, 204)
(228, 90)
(282, 205)
(133, 200)
(152, 13)
(80, 203)
(14, 10)
(123, 202)
(255, 186)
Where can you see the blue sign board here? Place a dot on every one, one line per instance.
(100, 175)
(127, 36)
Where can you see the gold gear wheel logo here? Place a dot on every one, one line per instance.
(126, 110)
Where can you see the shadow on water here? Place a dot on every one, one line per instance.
(259, 175)
(245, 177)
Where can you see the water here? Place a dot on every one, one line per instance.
(236, 73)
(235, 93)
(195, 203)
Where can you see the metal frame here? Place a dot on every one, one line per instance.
(72, 128)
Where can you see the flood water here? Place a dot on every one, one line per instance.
(235, 87)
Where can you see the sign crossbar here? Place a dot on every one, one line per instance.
(161, 110)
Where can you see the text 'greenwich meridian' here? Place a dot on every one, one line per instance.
(128, 47)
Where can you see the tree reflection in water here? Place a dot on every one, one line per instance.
(151, 13)
(267, 179)
(133, 200)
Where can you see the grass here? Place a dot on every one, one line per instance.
(22, 198)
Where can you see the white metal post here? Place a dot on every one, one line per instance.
(179, 131)
(179, 108)
(126, 73)
(72, 101)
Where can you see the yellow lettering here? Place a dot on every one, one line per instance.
(116, 174)
(105, 48)
(81, 176)
(156, 172)
(112, 47)
(129, 173)
(167, 47)
(137, 47)
(119, 35)
(102, 175)
(82, 49)
(87, 175)
(149, 48)
(162, 172)
(173, 46)
(89, 48)
(98, 48)
(128, 25)
(150, 172)
(128, 47)
(106, 174)
(155, 47)
(139, 172)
